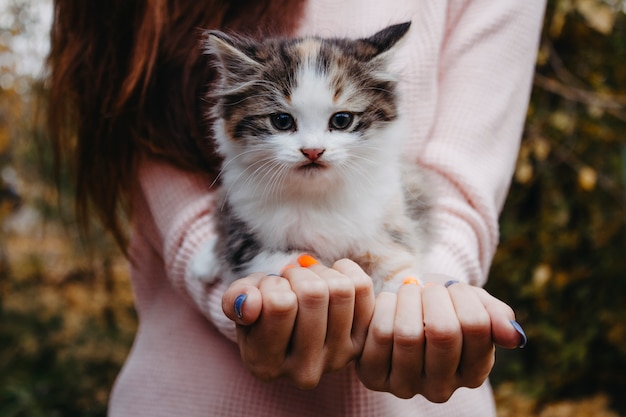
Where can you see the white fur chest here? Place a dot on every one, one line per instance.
(339, 223)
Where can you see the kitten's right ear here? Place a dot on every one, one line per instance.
(385, 39)
(235, 54)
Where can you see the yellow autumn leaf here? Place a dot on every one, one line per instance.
(524, 173)
(598, 15)
(541, 275)
(562, 121)
(587, 178)
(563, 8)
(541, 148)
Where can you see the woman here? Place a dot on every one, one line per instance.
(128, 79)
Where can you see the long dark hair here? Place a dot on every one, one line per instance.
(129, 76)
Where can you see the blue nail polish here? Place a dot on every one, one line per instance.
(239, 304)
(451, 282)
(519, 330)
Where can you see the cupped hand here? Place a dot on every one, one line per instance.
(433, 340)
(306, 323)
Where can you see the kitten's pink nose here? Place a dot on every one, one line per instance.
(312, 153)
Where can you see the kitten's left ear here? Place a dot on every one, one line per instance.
(385, 39)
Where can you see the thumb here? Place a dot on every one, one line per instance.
(242, 301)
(506, 331)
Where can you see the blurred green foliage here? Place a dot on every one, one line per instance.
(67, 318)
(562, 259)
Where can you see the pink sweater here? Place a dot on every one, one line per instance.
(466, 68)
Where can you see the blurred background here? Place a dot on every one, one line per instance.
(66, 309)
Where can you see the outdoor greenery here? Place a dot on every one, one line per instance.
(66, 309)
(562, 261)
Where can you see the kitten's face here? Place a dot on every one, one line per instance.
(292, 111)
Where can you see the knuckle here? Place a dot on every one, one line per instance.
(404, 392)
(279, 303)
(263, 371)
(312, 290)
(346, 265)
(475, 381)
(338, 361)
(476, 325)
(363, 288)
(373, 383)
(337, 364)
(407, 336)
(439, 394)
(355, 273)
(307, 379)
(443, 336)
(382, 334)
(478, 373)
(340, 287)
(507, 311)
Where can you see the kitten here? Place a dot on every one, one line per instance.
(312, 140)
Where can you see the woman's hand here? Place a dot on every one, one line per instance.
(432, 340)
(309, 322)
(427, 340)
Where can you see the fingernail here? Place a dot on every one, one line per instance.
(451, 282)
(429, 284)
(239, 304)
(411, 280)
(306, 261)
(519, 330)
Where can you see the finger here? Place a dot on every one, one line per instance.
(478, 354)
(505, 331)
(339, 349)
(242, 301)
(264, 345)
(444, 342)
(306, 359)
(364, 300)
(374, 365)
(408, 343)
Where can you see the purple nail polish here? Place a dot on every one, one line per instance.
(451, 282)
(519, 330)
(239, 304)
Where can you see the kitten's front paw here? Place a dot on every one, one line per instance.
(203, 265)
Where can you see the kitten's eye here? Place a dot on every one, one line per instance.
(341, 120)
(283, 121)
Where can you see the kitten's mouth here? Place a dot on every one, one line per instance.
(312, 166)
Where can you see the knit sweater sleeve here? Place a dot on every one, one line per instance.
(182, 205)
(485, 71)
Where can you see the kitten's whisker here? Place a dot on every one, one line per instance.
(384, 90)
(273, 177)
(360, 170)
(265, 173)
(247, 178)
(274, 189)
(227, 162)
(243, 86)
(254, 96)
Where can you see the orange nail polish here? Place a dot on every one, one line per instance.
(429, 284)
(410, 280)
(306, 261)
